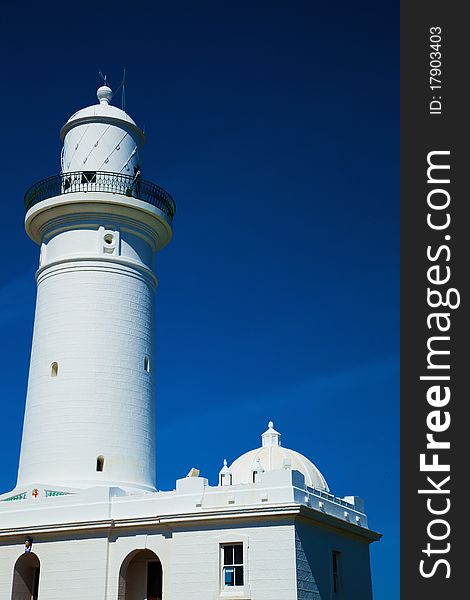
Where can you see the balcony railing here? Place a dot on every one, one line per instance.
(101, 181)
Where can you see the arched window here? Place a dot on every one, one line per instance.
(26, 578)
(225, 479)
(257, 471)
(100, 463)
(54, 369)
(146, 364)
(141, 576)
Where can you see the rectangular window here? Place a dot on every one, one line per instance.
(335, 570)
(232, 569)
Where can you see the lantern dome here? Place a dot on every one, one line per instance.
(102, 138)
(272, 456)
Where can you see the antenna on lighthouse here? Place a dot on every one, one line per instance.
(121, 85)
(103, 77)
(123, 98)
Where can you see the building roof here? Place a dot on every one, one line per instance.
(103, 112)
(104, 108)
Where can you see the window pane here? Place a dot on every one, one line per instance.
(229, 576)
(335, 562)
(238, 575)
(228, 555)
(336, 567)
(238, 554)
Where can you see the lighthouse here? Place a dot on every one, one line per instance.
(85, 519)
(90, 408)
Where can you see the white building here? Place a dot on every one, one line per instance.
(85, 521)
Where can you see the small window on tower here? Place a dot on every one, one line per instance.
(100, 463)
(146, 364)
(42, 254)
(110, 241)
(54, 369)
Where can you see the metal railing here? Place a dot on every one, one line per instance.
(100, 181)
(330, 497)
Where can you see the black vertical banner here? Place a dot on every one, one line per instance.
(435, 309)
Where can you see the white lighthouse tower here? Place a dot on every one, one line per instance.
(89, 416)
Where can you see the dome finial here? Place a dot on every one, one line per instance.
(225, 476)
(104, 94)
(225, 468)
(271, 437)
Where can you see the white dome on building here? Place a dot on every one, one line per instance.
(272, 456)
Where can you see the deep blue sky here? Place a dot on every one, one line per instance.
(274, 125)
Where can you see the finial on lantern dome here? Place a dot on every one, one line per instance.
(225, 468)
(271, 437)
(104, 94)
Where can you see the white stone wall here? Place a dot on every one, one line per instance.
(314, 547)
(287, 556)
(193, 566)
(70, 568)
(88, 569)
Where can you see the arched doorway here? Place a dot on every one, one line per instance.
(140, 577)
(26, 578)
